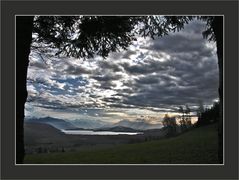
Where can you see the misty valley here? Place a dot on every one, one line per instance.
(90, 132)
(49, 134)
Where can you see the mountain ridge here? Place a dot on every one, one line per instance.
(137, 125)
(55, 122)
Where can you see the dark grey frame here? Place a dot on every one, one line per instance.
(11, 8)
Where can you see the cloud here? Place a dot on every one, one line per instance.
(107, 77)
(77, 70)
(148, 80)
(156, 75)
(106, 65)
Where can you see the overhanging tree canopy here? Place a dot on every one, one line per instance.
(86, 36)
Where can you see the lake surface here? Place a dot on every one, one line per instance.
(89, 132)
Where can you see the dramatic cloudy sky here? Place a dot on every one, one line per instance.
(151, 78)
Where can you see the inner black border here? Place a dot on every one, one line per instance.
(11, 8)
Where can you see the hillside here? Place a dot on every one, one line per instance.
(57, 123)
(198, 146)
(117, 129)
(38, 132)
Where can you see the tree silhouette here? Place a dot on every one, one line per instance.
(209, 115)
(216, 25)
(86, 36)
(170, 124)
(188, 117)
(185, 119)
(23, 41)
(200, 110)
(182, 121)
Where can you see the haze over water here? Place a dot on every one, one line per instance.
(89, 132)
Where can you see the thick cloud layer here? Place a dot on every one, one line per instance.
(152, 75)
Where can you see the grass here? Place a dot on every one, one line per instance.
(198, 146)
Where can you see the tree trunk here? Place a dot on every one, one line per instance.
(217, 26)
(23, 43)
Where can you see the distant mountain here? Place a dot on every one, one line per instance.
(57, 123)
(138, 124)
(88, 124)
(117, 129)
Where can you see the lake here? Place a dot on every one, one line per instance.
(90, 132)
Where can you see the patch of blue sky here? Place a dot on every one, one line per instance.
(78, 81)
(54, 90)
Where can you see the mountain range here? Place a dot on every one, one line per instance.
(117, 129)
(57, 123)
(138, 124)
(124, 125)
(88, 124)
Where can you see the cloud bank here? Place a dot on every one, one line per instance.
(153, 76)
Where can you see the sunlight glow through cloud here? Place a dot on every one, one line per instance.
(151, 78)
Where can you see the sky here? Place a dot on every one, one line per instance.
(146, 81)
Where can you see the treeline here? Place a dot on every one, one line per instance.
(208, 115)
(184, 121)
(39, 150)
(181, 123)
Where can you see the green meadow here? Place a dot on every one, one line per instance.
(197, 146)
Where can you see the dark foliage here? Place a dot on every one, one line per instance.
(86, 36)
(209, 115)
(170, 124)
(185, 118)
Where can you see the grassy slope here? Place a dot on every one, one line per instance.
(194, 147)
